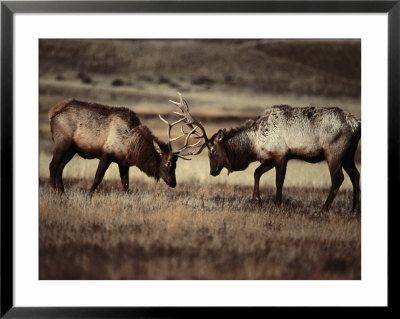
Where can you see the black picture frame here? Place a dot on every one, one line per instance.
(9, 8)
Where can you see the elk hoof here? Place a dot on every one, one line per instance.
(90, 195)
(356, 212)
(324, 213)
(256, 200)
(315, 214)
(55, 191)
(277, 204)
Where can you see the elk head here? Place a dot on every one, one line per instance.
(217, 154)
(169, 156)
(167, 164)
(216, 151)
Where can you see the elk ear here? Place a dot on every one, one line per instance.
(220, 135)
(157, 148)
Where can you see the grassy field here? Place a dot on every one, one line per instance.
(207, 227)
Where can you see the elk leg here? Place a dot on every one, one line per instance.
(58, 156)
(101, 169)
(124, 174)
(263, 168)
(280, 168)
(337, 178)
(351, 170)
(52, 169)
(59, 181)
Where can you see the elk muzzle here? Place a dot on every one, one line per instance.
(172, 184)
(216, 172)
(170, 181)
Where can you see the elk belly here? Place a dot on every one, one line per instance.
(89, 143)
(304, 145)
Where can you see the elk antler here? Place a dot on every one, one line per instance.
(192, 124)
(186, 145)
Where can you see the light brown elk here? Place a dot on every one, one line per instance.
(111, 134)
(281, 133)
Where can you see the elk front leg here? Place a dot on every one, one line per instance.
(263, 168)
(101, 169)
(280, 167)
(124, 174)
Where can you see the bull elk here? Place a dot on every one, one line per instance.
(111, 134)
(281, 133)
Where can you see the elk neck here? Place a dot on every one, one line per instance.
(150, 165)
(142, 152)
(239, 150)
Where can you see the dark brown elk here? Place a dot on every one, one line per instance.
(111, 134)
(281, 133)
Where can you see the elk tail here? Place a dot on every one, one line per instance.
(57, 108)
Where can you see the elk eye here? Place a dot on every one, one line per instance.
(212, 151)
(168, 164)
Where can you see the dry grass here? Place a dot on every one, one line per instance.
(158, 233)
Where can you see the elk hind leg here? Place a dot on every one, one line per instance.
(351, 170)
(59, 180)
(263, 168)
(335, 169)
(59, 154)
(53, 170)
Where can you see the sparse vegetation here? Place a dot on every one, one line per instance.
(117, 82)
(202, 79)
(86, 79)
